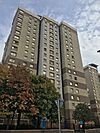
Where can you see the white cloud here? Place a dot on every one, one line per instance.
(87, 21)
(83, 14)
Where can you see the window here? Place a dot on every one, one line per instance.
(19, 24)
(29, 28)
(24, 64)
(52, 80)
(56, 59)
(70, 76)
(51, 74)
(33, 43)
(69, 71)
(57, 70)
(21, 12)
(75, 78)
(45, 39)
(12, 60)
(76, 84)
(33, 48)
(72, 52)
(30, 20)
(27, 37)
(51, 38)
(51, 52)
(13, 54)
(74, 72)
(73, 67)
(45, 55)
(28, 32)
(66, 43)
(44, 66)
(77, 91)
(45, 35)
(14, 48)
(32, 54)
(73, 104)
(45, 44)
(51, 47)
(20, 19)
(44, 72)
(72, 89)
(71, 44)
(27, 41)
(72, 97)
(34, 34)
(45, 49)
(57, 64)
(31, 65)
(51, 62)
(57, 76)
(34, 26)
(51, 68)
(17, 32)
(20, 16)
(45, 60)
(25, 57)
(78, 98)
(33, 39)
(68, 60)
(70, 83)
(51, 57)
(58, 82)
(26, 51)
(32, 59)
(67, 49)
(73, 61)
(69, 65)
(16, 37)
(72, 57)
(26, 46)
(18, 28)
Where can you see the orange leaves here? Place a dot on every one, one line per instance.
(16, 93)
(33, 110)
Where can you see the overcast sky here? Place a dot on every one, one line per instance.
(81, 14)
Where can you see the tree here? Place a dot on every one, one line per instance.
(82, 113)
(5, 91)
(45, 95)
(15, 89)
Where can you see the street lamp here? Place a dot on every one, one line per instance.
(59, 104)
(98, 51)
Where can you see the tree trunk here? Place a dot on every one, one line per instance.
(12, 118)
(7, 126)
(18, 119)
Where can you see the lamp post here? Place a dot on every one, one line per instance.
(98, 51)
(59, 103)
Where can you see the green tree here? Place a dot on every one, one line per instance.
(82, 113)
(45, 95)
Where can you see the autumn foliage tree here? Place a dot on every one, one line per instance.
(15, 91)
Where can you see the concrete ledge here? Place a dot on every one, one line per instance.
(95, 130)
(38, 131)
